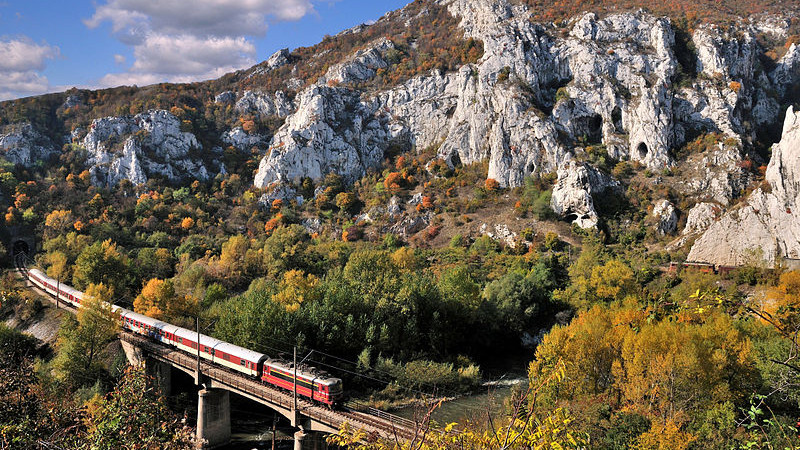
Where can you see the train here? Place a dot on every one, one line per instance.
(313, 384)
(700, 266)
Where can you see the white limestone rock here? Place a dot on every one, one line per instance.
(22, 144)
(700, 217)
(500, 232)
(572, 194)
(666, 217)
(615, 78)
(278, 59)
(225, 98)
(241, 140)
(152, 144)
(332, 131)
(787, 71)
(277, 104)
(766, 228)
(360, 66)
(284, 193)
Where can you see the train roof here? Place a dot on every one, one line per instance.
(63, 286)
(223, 346)
(312, 373)
(155, 323)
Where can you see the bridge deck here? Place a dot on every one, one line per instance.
(321, 418)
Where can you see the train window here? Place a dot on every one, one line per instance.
(243, 361)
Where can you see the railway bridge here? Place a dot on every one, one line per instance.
(213, 411)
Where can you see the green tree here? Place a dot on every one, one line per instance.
(83, 339)
(133, 416)
(99, 263)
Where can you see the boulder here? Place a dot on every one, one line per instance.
(572, 194)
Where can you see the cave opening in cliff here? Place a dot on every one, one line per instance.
(616, 117)
(590, 128)
(641, 149)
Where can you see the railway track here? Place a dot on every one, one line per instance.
(370, 420)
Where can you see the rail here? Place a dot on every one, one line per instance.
(367, 418)
(372, 420)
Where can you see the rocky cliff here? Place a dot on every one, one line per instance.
(152, 144)
(571, 98)
(766, 228)
(541, 95)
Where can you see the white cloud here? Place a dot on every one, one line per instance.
(21, 63)
(200, 17)
(119, 59)
(186, 54)
(179, 41)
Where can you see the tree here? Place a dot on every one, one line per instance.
(295, 289)
(81, 340)
(57, 222)
(134, 416)
(159, 300)
(98, 263)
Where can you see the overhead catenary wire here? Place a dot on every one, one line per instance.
(328, 365)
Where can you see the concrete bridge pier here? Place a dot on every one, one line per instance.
(161, 374)
(309, 440)
(135, 355)
(213, 418)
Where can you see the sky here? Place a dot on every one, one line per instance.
(53, 45)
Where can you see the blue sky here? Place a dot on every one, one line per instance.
(50, 46)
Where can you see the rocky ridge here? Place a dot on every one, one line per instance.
(22, 144)
(765, 229)
(538, 97)
(152, 144)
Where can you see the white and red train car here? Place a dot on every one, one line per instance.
(314, 385)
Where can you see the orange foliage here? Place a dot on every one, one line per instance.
(273, 223)
(491, 185)
(187, 223)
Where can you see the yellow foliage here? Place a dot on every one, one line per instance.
(297, 288)
(404, 258)
(158, 299)
(664, 436)
(660, 368)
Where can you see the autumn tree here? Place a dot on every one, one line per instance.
(98, 263)
(159, 300)
(83, 339)
(297, 288)
(57, 222)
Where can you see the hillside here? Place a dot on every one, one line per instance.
(447, 194)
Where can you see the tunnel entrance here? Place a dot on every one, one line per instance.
(20, 247)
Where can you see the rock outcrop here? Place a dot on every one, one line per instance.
(572, 194)
(666, 217)
(766, 228)
(277, 104)
(152, 145)
(22, 144)
(700, 217)
(538, 92)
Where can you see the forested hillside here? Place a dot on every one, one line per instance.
(458, 190)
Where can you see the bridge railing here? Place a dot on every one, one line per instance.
(397, 420)
(235, 381)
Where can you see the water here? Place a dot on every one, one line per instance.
(471, 408)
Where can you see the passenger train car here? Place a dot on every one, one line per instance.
(311, 383)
